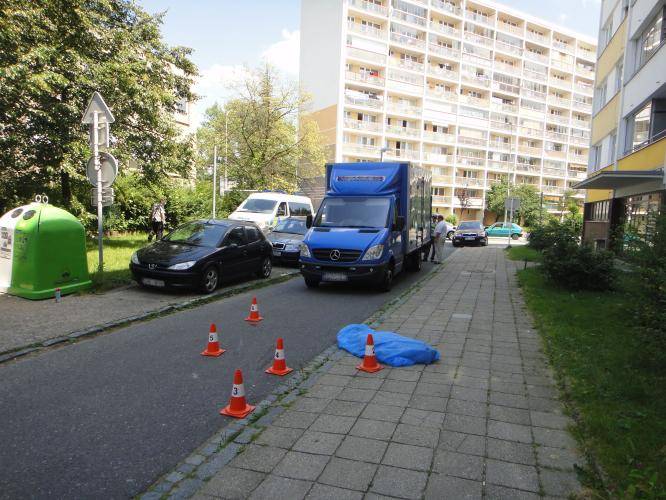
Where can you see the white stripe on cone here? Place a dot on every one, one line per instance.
(279, 353)
(238, 391)
(254, 308)
(212, 337)
(369, 350)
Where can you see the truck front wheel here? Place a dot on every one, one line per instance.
(387, 280)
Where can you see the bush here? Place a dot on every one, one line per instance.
(578, 267)
(545, 236)
(452, 219)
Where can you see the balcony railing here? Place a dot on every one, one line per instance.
(530, 132)
(364, 29)
(557, 118)
(529, 150)
(510, 28)
(505, 87)
(468, 182)
(578, 174)
(526, 168)
(364, 77)
(533, 94)
(536, 57)
(503, 166)
(583, 141)
(585, 72)
(580, 123)
(366, 102)
(474, 101)
(405, 77)
(555, 153)
(406, 64)
(446, 6)
(552, 190)
(360, 149)
(412, 42)
(369, 6)
(535, 75)
(441, 200)
(481, 40)
(577, 158)
(471, 141)
(442, 94)
(402, 109)
(556, 136)
(506, 68)
(437, 157)
(500, 145)
(408, 18)
(445, 51)
(443, 72)
(472, 202)
(442, 179)
(505, 108)
(470, 161)
(507, 47)
(409, 154)
(403, 131)
(438, 137)
(562, 65)
(482, 81)
(363, 125)
(562, 46)
(536, 37)
(586, 54)
(366, 55)
(584, 89)
(487, 20)
(445, 29)
(554, 172)
(559, 101)
(583, 107)
(508, 127)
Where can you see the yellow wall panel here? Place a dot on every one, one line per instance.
(593, 195)
(612, 52)
(325, 119)
(605, 121)
(647, 158)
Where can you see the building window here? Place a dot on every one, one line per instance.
(641, 127)
(606, 35)
(600, 96)
(598, 211)
(652, 38)
(618, 76)
(595, 155)
(612, 146)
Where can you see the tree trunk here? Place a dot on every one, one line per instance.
(66, 189)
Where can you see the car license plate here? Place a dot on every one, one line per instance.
(152, 282)
(334, 277)
(277, 253)
(469, 237)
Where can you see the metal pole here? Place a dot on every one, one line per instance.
(214, 180)
(100, 213)
(226, 146)
(510, 222)
(541, 210)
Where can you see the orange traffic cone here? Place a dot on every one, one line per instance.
(279, 362)
(213, 347)
(254, 312)
(237, 407)
(369, 360)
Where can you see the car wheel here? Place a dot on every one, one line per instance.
(209, 279)
(311, 282)
(387, 280)
(450, 234)
(515, 236)
(266, 268)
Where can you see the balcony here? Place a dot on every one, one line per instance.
(478, 18)
(577, 158)
(504, 126)
(533, 94)
(472, 141)
(407, 64)
(556, 136)
(443, 73)
(537, 37)
(541, 58)
(583, 107)
(437, 157)
(441, 200)
(408, 154)
(526, 168)
(468, 182)
(585, 72)
(403, 109)
(530, 132)
(369, 7)
(584, 89)
(365, 78)
(559, 101)
(408, 18)
(364, 29)
(444, 51)
(502, 166)
(365, 102)
(535, 75)
(587, 54)
(557, 118)
(500, 145)
(580, 123)
(509, 48)
(561, 65)
(360, 149)
(438, 137)
(445, 29)
(581, 141)
(410, 41)
(479, 39)
(474, 101)
(447, 7)
(442, 94)
(446, 180)
(481, 81)
(510, 28)
(506, 68)
(470, 161)
(472, 202)
(506, 87)
(556, 154)
(504, 108)
(576, 174)
(555, 190)
(554, 172)
(366, 126)
(403, 131)
(406, 77)
(366, 55)
(529, 150)
(562, 46)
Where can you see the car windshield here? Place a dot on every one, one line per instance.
(201, 234)
(258, 206)
(292, 226)
(470, 225)
(353, 212)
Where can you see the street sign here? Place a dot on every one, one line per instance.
(512, 204)
(103, 135)
(97, 105)
(109, 167)
(108, 196)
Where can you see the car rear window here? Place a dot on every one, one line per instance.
(252, 234)
(470, 225)
(201, 234)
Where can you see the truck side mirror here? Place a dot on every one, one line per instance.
(308, 221)
(399, 223)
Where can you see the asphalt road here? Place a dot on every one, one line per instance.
(105, 417)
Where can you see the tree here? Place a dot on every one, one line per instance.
(530, 201)
(463, 198)
(53, 55)
(267, 148)
(495, 198)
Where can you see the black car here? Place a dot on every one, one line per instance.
(286, 239)
(199, 253)
(470, 232)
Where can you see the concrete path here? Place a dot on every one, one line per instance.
(484, 422)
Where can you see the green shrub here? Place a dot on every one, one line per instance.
(452, 219)
(578, 267)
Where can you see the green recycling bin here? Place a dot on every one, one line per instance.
(42, 248)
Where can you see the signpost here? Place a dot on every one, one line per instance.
(511, 205)
(99, 118)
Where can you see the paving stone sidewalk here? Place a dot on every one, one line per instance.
(484, 422)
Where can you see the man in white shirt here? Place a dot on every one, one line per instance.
(441, 229)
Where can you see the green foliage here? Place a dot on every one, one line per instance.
(544, 236)
(452, 219)
(523, 253)
(53, 55)
(257, 133)
(578, 267)
(530, 202)
(619, 399)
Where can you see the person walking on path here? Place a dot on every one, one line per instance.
(157, 220)
(440, 237)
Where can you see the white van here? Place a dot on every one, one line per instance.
(264, 209)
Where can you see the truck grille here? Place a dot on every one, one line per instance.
(324, 254)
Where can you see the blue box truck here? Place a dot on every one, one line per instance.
(373, 222)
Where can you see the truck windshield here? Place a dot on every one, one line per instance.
(353, 212)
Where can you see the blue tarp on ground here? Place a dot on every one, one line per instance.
(390, 348)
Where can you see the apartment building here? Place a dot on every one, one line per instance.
(626, 179)
(474, 90)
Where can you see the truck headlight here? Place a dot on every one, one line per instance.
(182, 265)
(305, 251)
(374, 252)
(135, 258)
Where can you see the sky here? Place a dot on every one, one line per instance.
(228, 36)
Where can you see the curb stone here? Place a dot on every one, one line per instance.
(231, 439)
